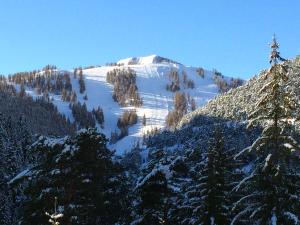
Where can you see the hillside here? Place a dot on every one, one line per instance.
(153, 80)
(237, 103)
(229, 110)
(39, 116)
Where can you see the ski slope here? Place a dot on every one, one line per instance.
(152, 77)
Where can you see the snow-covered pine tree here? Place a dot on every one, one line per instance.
(153, 191)
(215, 183)
(80, 171)
(271, 190)
(213, 176)
(188, 199)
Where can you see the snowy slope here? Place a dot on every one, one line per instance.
(152, 78)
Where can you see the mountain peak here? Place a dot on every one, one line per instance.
(145, 60)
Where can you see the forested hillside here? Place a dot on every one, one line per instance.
(21, 118)
(237, 104)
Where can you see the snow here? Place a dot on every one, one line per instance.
(287, 145)
(274, 219)
(268, 158)
(50, 142)
(236, 188)
(165, 169)
(139, 60)
(152, 78)
(86, 180)
(292, 216)
(55, 171)
(247, 168)
(24, 173)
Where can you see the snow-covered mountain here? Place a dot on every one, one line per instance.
(152, 77)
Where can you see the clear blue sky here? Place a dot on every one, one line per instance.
(230, 35)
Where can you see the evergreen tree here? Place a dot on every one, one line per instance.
(153, 192)
(81, 81)
(99, 115)
(144, 122)
(180, 109)
(125, 88)
(213, 175)
(73, 97)
(271, 191)
(214, 184)
(193, 105)
(92, 189)
(82, 116)
(75, 73)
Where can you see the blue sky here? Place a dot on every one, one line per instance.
(230, 35)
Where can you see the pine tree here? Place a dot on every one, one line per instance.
(213, 175)
(180, 108)
(271, 191)
(144, 122)
(153, 192)
(73, 97)
(99, 115)
(79, 170)
(193, 104)
(64, 94)
(75, 73)
(215, 184)
(81, 82)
